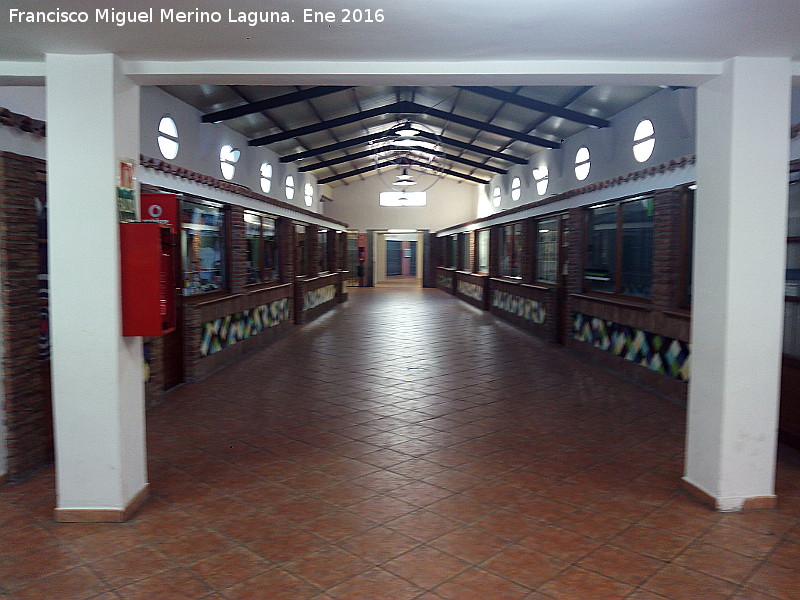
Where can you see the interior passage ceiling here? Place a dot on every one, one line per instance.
(421, 30)
(331, 131)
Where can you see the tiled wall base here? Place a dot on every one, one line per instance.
(103, 515)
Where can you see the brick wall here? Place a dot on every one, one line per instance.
(26, 378)
(238, 249)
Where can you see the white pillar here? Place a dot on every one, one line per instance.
(738, 282)
(98, 392)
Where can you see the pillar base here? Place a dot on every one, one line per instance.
(729, 504)
(103, 515)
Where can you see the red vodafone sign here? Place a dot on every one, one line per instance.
(159, 208)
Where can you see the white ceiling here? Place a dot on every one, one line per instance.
(430, 30)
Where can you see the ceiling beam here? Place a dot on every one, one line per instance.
(382, 165)
(473, 148)
(372, 152)
(363, 139)
(537, 105)
(404, 107)
(270, 103)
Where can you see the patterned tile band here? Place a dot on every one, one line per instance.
(445, 281)
(470, 290)
(227, 331)
(530, 310)
(318, 297)
(656, 352)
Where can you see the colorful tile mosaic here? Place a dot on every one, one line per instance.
(656, 352)
(232, 329)
(526, 308)
(471, 290)
(445, 281)
(318, 297)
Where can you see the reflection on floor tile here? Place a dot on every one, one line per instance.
(408, 447)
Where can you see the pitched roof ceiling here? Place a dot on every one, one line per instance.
(335, 132)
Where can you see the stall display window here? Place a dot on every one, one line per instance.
(547, 250)
(322, 246)
(510, 249)
(203, 247)
(300, 251)
(620, 248)
(483, 251)
(466, 254)
(262, 249)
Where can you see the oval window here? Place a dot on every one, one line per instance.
(289, 187)
(266, 177)
(309, 194)
(228, 157)
(516, 189)
(644, 140)
(541, 178)
(496, 197)
(582, 163)
(168, 138)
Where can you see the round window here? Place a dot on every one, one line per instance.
(289, 187)
(266, 177)
(644, 140)
(309, 194)
(582, 163)
(516, 189)
(541, 178)
(228, 157)
(496, 197)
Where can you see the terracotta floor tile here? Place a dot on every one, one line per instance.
(191, 547)
(679, 583)
(376, 584)
(525, 566)
(470, 543)
(327, 567)
(476, 584)
(426, 567)
(178, 584)
(715, 561)
(423, 525)
(623, 565)
(777, 581)
(229, 568)
(76, 584)
(577, 584)
(500, 467)
(378, 545)
(560, 543)
(275, 584)
(651, 542)
(131, 566)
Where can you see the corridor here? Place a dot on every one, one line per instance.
(406, 446)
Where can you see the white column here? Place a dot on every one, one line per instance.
(98, 392)
(738, 282)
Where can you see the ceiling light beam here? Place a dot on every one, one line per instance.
(270, 103)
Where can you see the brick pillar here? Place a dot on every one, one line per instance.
(312, 250)
(494, 254)
(666, 249)
(238, 249)
(286, 248)
(334, 259)
(527, 268)
(576, 256)
(26, 390)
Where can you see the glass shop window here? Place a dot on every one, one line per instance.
(202, 247)
(262, 248)
(322, 245)
(510, 249)
(300, 251)
(483, 251)
(452, 251)
(620, 248)
(466, 254)
(547, 250)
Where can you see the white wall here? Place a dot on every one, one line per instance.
(356, 204)
(200, 144)
(28, 101)
(610, 149)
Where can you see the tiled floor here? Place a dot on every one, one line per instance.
(407, 446)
